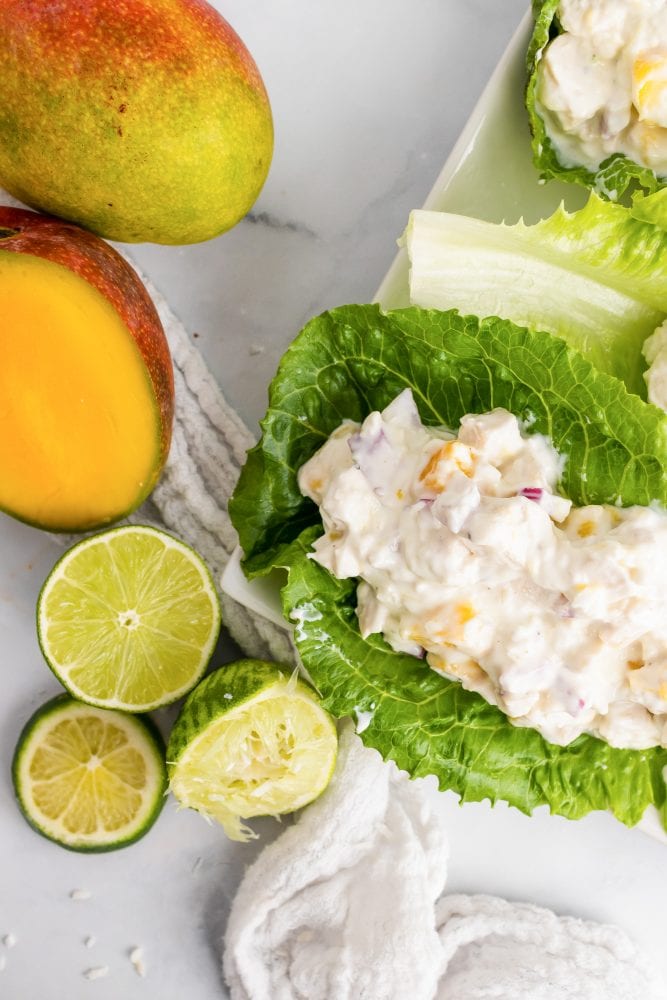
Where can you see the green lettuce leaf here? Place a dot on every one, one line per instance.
(431, 725)
(615, 175)
(356, 359)
(595, 277)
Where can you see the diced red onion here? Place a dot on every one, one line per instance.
(532, 493)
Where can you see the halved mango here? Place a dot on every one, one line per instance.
(82, 415)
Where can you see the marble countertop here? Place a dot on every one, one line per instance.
(368, 100)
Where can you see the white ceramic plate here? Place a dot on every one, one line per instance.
(488, 175)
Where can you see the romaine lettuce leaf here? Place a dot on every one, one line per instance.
(355, 359)
(615, 175)
(595, 277)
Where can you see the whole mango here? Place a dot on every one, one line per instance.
(142, 120)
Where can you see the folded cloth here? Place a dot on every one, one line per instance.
(347, 905)
(493, 948)
(342, 905)
(208, 448)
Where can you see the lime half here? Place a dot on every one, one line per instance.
(251, 740)
(90, 779)
(128, 619)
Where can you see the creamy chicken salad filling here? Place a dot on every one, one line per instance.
(467, 556)
(602, 83)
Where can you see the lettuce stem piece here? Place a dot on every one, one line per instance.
(595, 277)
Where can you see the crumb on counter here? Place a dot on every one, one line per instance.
(137, 959)
(97, 972)
(79, 895)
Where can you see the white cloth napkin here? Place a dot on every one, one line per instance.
(341, 906)
(347, 905)
(208, 449)
(492, 948)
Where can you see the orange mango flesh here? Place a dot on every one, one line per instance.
(79, 426)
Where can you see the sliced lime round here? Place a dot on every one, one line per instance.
(251, 740)
(87, 778)
(128, 619)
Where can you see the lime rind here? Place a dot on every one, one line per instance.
(251, 740)
(88, 680)
(224, 689)
(143, 736)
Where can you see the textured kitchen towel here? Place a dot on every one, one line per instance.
(347, 905)
(208, 448)
(492, 948)
(342, 905)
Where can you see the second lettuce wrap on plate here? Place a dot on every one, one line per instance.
(357, 359)
(597, 94)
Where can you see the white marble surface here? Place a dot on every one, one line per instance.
(368, 99)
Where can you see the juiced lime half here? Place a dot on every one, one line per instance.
(251, 740)
(128, 619)
(90, 779)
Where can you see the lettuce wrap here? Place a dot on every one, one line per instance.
(618, 173)
(356, 359)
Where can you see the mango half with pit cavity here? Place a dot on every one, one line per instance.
(86, 381)
(142, 120)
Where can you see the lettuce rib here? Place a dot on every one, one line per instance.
(595, 277)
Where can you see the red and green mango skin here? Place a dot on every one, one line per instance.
(142, 120)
